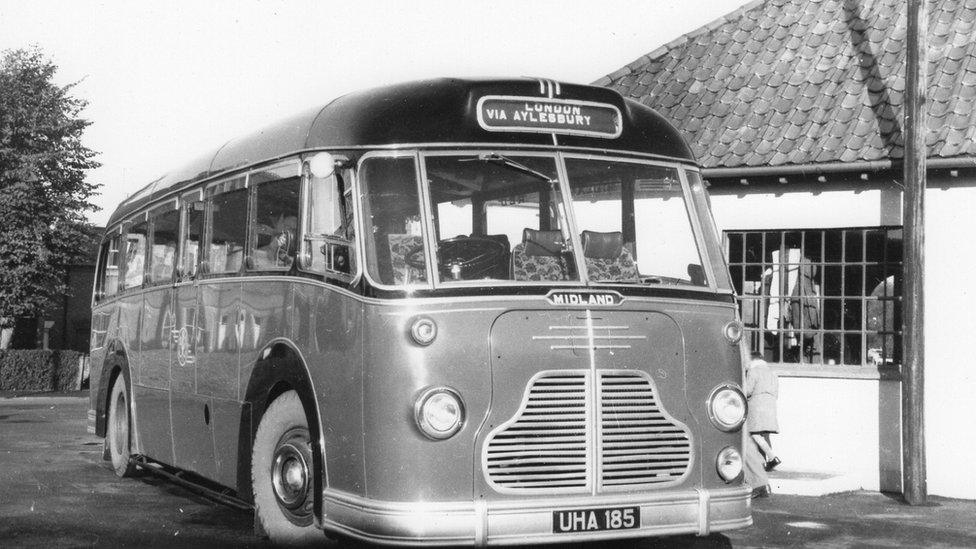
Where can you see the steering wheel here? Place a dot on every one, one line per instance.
(463, 257)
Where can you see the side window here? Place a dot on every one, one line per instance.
(274, 234)
(228, 222)
(136, 238)
(193, 238)
(330, 236)
(108, 270)
(166, 229)
(394, 241)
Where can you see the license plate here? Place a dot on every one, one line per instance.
(593, 520)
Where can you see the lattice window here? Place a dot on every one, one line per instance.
(820, 296)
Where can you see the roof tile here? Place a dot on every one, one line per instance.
(802, 81)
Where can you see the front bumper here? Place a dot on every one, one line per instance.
(524, 522)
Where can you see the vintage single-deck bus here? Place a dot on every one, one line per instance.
(478, 312)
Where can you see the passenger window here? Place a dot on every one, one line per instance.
(275, 231)
(108, 273)
(136, 238)
(228, 226)
(166, 227)
(193, 241)
(330, 239)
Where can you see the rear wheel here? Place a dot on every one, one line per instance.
(118, 439)
(281, 473)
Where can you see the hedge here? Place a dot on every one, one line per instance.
(38, 370)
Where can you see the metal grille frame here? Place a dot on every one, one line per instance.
(588, 432)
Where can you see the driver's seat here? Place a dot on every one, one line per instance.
(539, 256)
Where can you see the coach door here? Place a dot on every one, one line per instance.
(191, 413)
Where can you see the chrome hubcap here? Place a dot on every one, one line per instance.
(290, 472)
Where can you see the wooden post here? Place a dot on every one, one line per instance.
(913, 348)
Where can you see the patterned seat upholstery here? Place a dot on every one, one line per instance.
(539, 256)
(607, 260)
(400, 246)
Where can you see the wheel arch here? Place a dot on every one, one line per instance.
(116, 364)
(281, 368)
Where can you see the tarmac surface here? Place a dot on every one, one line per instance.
(55, 491)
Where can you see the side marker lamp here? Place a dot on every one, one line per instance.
(733, 332)
(423, 331)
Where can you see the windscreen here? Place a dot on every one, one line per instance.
(634, 223)
(501, 219)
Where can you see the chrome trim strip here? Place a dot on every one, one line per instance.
(532, 300)
(594, 432)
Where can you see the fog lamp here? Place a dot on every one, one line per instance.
(729, 464)
(423, 331)
(439, 412)
(727, 407)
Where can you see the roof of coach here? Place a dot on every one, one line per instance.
(445, 111)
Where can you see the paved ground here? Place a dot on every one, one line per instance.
(55, 491)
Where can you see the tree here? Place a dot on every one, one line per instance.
(43, 192)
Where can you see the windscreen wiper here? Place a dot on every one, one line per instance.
(496, 158)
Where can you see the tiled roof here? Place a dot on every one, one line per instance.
(781, 82)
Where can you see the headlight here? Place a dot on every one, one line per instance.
(439, 412)
(729, 464)
(727, 407)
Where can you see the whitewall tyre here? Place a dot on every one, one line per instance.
(118, 435)
(282, 474)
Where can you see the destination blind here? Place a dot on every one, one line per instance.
(529, 114)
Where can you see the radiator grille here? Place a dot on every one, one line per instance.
(546, 446)
(640, 445)
(563, 421)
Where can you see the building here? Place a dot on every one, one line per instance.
(794, 108)
(67, 322)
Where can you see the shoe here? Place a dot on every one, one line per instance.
(761, 492)
(772, 464)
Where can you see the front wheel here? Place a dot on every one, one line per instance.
(281, 473)
(118, 439)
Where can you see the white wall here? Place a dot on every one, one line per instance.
(853, 425)
(746, 207)
(950, 331)
(830, 425)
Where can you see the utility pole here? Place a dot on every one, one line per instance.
(913, 291)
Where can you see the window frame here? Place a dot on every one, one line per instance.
(369, 250)
(166, 207)
(889, 268)
(350, 187)
(105, 252)
(691, 210)
(209, 194)
(252, 206)
(187, 200)
(137, 219)
(431, 238)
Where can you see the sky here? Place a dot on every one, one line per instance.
(168, 81)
